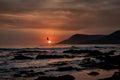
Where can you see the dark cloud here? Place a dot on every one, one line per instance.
(20, 6)
(60, 14)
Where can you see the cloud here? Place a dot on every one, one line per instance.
(64, 15)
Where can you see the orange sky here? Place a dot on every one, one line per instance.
(30, 22)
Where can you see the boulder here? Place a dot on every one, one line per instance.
(93, 73)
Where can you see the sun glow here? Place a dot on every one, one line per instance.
(49, 42)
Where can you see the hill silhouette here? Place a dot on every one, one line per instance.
(113, 38)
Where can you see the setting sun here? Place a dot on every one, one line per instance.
(49, 42)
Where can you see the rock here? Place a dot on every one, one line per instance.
(53, 56)
(110, 62)
(93, 73)
(34, 74)
(90, 52)
(110, 52)
(95, 53)
(106, 62)
(14, 69)
(21, 57)
(113, 59)
(26, 73)
(3, 70)
(65, 77)
(67, 68)
(17, 75)
(58, 64)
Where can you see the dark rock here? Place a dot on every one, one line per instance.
(110, 62)
(106, 61)
(106, 66)
(53, 56)
(112, 59)
(14, 69)
(95, 53)
(100, 65)
(21, 57)
(67, 68)
(59, 64)
(25, 71)
(93, 73)
(34, 74)
(29, 73)
(3, 70)
(89, 52)
(110, 52)
(65, 77)
(17, 75)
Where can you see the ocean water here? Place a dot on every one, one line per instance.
(9, 66)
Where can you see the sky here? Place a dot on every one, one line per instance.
(28, 22)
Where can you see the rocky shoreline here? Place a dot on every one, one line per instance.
(69, 62)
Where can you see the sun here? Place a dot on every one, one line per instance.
(49, 42)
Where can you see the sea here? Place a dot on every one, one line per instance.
(16, 69)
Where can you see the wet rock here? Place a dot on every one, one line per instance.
(58, 64)
(65, 77)
(21, 57)
(72, 51)
(14, 69)
(112, 59)
(110, 62)
(107, 66)
(67, 68)
(110, 52)
(80, 51)
(106, 62)
(93, 73)
(17, 75)
(34, 74)
(101, 65)
(89, 63)
(95, 53)
(53, 56)
(26, 73)
(3, 70)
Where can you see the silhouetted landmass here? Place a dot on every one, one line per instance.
(113, 38)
